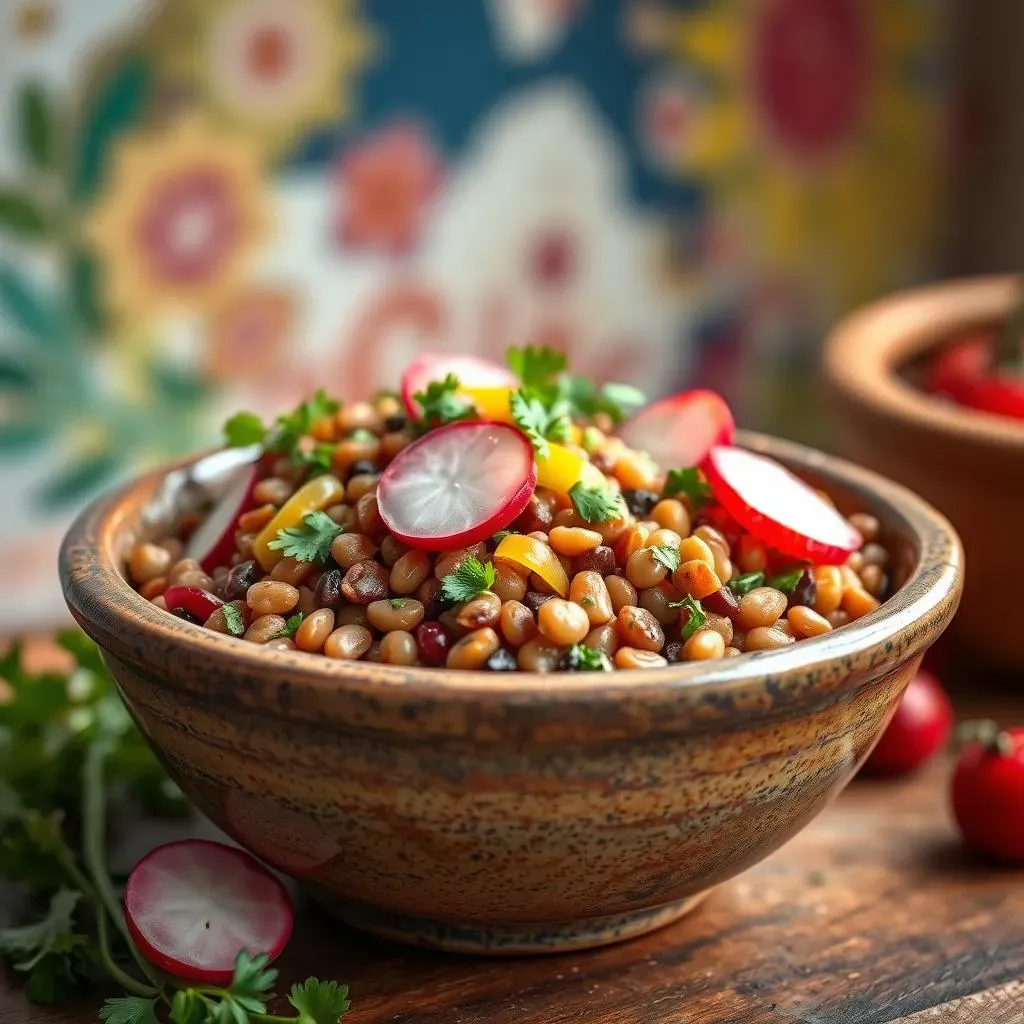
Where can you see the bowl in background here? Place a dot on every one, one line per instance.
(510, 813)
(969, 464)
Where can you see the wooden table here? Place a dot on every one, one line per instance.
(872, 914)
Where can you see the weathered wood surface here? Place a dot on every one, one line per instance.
(871, 915)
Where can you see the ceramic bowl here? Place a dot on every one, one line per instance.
(510, 813)
(969, 464)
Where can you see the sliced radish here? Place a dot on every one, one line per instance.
(213, 541)
(192, 906)
(783, 512)
(965, 360)
(681, 430)
(1001, 395)
(199, 603)
(457, 485)
(435, 366)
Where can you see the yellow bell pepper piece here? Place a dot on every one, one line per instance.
(492, 403)
(561, 468)
(536, 556)
(313, 496)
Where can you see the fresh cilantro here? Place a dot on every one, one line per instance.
(586, 400)
(243, 429)
(587, 601)
(786, 581)
(696, 617)
(129, 1010)
(595, 504)
(319, 1002)
(690, 483)
(501, 535)
(317, 457)
(310, 542)
(539, 422)
(290, 428)
(291, 626)
(471, 578)
(361, 434)
(397, 602)
(536, 366)
(665, 555)
(746, 583)
(441, 403)
(582, 658)
(31, 942)
(234, 620)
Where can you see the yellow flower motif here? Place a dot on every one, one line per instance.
(806, 117)
(273, 67)
(183, 210)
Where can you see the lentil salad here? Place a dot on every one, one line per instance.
(513, 519)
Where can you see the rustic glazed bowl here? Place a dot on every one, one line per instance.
(969, 464)
(510, 813)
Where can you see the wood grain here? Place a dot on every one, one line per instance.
(873, 914)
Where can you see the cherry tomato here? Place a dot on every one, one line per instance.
(918, 729)
(988, 795)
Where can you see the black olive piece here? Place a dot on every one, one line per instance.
(240, 579)
(805, 592)
(639, 501)
(673, 651)
(502, 661)
(328, 590)
(393, 423)
(533, 600)
(360, 467)
(181, 613)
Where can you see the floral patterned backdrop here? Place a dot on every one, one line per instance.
(212, 204)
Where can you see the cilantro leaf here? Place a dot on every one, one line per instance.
(188, 1007)
(243, 429)
(319, 1002)
(318, 457)
(441, 403)
(539, 422)
(290, 428)
(252, 978)
(666, 555)
(34, 941)
(310, 542)
(746, 583)
(234, 620)
(129, 1010)
(58, 974)
(586, 659)
(471, 578)
(291, 626)
(536, 366)
(586, 400)
(397, 602)
(619, 400)
(786, 581)
(696, 617)
(595, 504)
(690, 483)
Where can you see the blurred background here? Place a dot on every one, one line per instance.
(212, 205)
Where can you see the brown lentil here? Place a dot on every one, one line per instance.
(307, 602)
(349, 548)
(147, 562)
(693, 549)
(603, 638)
(537, 656)
(404, 613)
(672, 514)
(763, 606)
(643, 570)
(874, 554)
(263, 627)
(590, 592)
(828, 589)
(391, 550)
(658, 600)
(291, 570)
(662, 538)
(153, 588)
(562, 622)
(315, 629)
(345, 516)
(255, 519)
(751, 555)
(601, 560)
(638, 628)
(838, 618)
(807, 622)
(518, 624)
(704, 645)
(398, 648)
(866, 525)
(574, 540)
(473, 650)
(450, 561)
(483, 610)
(360, 485)
(271, 597)
(349, 614)
(508, 584)
(409, 572)
(370, 521)
(272, 491)
(365, 582)
(696, 578)
(721, 625)
(631, 657)
(621, 591)
(348, 642)
(766, 638)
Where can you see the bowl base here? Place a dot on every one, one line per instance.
(506, 939)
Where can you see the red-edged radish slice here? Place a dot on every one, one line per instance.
(191, 906)
(777, 508)
(472, 371)
(1000, 395)
(960, 363)
(213, 542)
(199, 603)
(681, 430)
(457, 485)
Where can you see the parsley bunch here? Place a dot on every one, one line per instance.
(67, 748)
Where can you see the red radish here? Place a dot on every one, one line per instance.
(681, 430)
(966, 372)
(213, 542)
(192, 906)
(199, 603)
(777, 508)
(457, 485)
(472, 371)
(917, 730)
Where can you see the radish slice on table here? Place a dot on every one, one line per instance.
(777, 508)
(681, 430)
(435, 366)
(199, 603)
(457, 485)
(192, 906)
(213, 542)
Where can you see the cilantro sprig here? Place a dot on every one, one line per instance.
(67, 749)
(696, 617)
(582, 658)
(309, 542)
(690, 483)
(539, 421)
(291, 626)
(596, 504)
(666, 555)
(470, 579)
(744, 584)
(441, 403)
(786, 581)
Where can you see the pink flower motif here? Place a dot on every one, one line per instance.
(387, 184)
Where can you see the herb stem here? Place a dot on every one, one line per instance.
(93, 843)
(125, 980)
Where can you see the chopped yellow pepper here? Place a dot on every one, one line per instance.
(561, 468)
(492, 403)
(313, 496)
(536, 556)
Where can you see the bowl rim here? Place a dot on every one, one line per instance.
(122, 621)
(864, 352)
